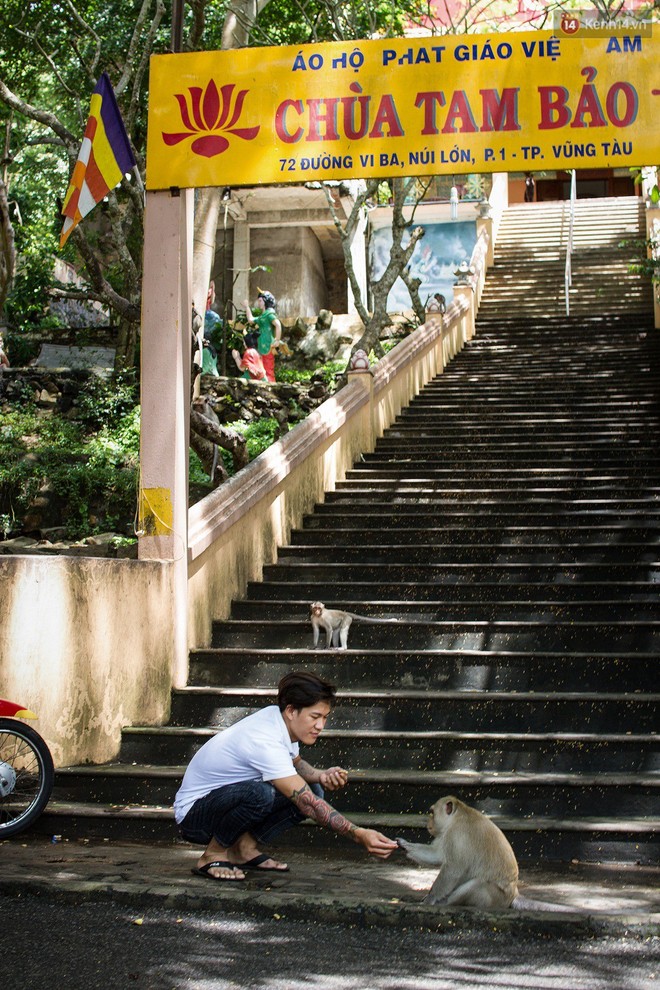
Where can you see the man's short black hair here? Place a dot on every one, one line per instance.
(302, 690)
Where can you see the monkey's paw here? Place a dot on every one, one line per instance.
(402, 843)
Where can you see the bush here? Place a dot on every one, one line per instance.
(93, 473)
(260, 435)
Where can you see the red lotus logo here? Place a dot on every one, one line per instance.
(207, 113)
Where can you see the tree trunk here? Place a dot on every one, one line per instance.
(127, 338)
(375, 322)
(207, 211)
(7, 250)
(228, 439)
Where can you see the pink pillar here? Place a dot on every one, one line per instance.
(165, 397)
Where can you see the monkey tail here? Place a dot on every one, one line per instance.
(520, 903)
(370, 619)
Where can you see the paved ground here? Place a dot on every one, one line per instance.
(99, 945)
(339, 884)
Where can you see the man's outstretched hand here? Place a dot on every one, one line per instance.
(375, 842)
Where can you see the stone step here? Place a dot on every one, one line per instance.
(605, 839)
(464, 710)
(466, 393)
(485, 590)
(480, 609)
(566, 501)
(576, 480)
(406, 526)
(454, 421)
(400, 791)
(520, 414)
(493, 509)
(528, 752)
(518, 572)
(424, 453)
(435, 551)
(451, 669)
(330, 531)
(495, 634)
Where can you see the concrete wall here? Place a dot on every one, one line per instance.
(296, 278)
(86, 644)
(314, 292)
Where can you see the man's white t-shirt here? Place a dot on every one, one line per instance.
(256, 748)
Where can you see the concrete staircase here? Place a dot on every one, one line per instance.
(530, 259)
(510, 520)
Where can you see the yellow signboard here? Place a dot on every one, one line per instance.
(413, 106)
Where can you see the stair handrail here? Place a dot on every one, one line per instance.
(568, 275)
(479, 262)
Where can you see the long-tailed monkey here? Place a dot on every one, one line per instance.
(336, 624)
(478, 867)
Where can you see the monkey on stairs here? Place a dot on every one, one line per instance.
(336, 623)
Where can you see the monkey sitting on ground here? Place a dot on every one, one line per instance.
(336, 624)
(478, 867)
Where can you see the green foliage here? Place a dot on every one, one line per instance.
(648, 261)
(260, 435)
(638, 177)
(197, 476)
(93, 474)
(104, 402)
(295, 376)
(284, 22)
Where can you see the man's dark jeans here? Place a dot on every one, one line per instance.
(252, 806)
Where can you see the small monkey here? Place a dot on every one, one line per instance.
(336, 624)
(478, 867)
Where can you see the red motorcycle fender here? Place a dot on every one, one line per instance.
(12, 710)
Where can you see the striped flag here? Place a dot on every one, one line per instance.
(105, 155)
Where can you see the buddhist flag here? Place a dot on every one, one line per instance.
(105, 155)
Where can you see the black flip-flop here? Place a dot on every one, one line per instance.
(203, 871)
(255, 864)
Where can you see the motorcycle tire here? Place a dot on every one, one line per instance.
(29, 757)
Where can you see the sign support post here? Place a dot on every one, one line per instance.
(165, 397)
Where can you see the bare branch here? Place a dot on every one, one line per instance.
(239, 19)
(132, 47)
(196, 32)
(40, 116)
(346, 233)
(143, 64)
(129, 310)
(88, 29)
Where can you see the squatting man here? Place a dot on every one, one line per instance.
(248, 784)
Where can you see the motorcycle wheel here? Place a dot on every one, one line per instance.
(29, 757)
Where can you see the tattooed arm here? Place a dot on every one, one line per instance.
(331, 779)
(298, 791)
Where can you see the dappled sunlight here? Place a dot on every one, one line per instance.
(284, 954)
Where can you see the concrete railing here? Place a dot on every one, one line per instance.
(237, 529)
(653, 252)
